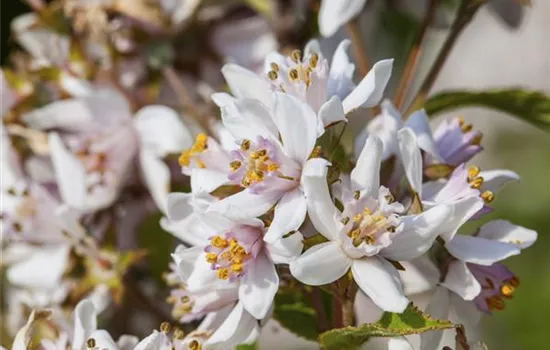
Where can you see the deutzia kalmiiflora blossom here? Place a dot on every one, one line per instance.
(334, 14)
(329, 91)
(93, 152)
(372, 228)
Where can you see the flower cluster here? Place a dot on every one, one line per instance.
(108, 133)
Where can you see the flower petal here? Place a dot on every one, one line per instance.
(245, 204)
(412, 160)
(420, 275)
(418, 122)
(248, 119)
(290, 213)
(156, 176)
(370, 90)
(341, 71)
(41, 269)
(460, 280)
(237, 328)
(178, 206)
(85, 323)
(366, 174)
(331, 112)
(103, 339)
(69, 172)
(334, 14)
(378, 279)
(297, 124)
(259, 286)
(505, 231)
(206, 180)
(286, 249)
(247, 84)
(462, 210)
(437, 308)
(322, 211)
(161, 130)
(321, 264)
(494, 180)
(479, 250)
(418, 234)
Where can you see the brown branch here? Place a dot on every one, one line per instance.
(414, 55)
(317, 302)
(466, 12)
(358, 46)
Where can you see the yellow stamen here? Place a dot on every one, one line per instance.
(356, 194)
(223, 273)
(274, 66)
(165, 327)
(219, 242)
(194, 345)
(344, 220)
(211, 258)
(237, 268)
(473, 171)
(179, 334)
(273, 167)
(90, 343)
(245, 145)
(273, 75)
(314, 59)
(296, 56)
(185, 299)
(476, 183)
(488, 196)
(507, 290)
(477, 139)
(466, 128)
(293, 74)
(234, 165)
(358, 217)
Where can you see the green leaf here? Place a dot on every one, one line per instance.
(531, 106)
(411, 321)
(264, 7)
(295, 314)
(158, 244)
(246, 347)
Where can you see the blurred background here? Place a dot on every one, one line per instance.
(492, 54)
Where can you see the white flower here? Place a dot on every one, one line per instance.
(370, 230)
(334, 14)
(103, 140)
(229, 255)
(330, 92)
(268, 169)
(389, 122)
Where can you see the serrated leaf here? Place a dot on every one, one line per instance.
(411, 321)
(438, 171)
(531, 106)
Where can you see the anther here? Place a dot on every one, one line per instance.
(488, 196)
(391, 229)
(314, 59)
(476, 183)
(165, 327)
(219, 242)
(234, 165)
(473, 171)
(12, 192)
(296, 56)
(245, 145)
(274, 66)
(356, 194)
(345, 220)
(17, 227)
(185, 299)
(211, 258)
(238, 268)
(179, 334)
(507, 290)
(223, 273)
(273, 75)
(194, 345)
(466, 128)
(477, 139)
(358, 217)
(90, 343)
(293, 74)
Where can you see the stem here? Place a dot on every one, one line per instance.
(358, 46)
(465, 14)
(414, 55)
(348, 314)
(317, 302)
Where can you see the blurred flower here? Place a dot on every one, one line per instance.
(334, 14)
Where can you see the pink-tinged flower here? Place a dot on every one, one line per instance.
(456, 142)
(467, 191)
(329, 91)
(229, 254)
(371, 229)
(334, 14)
(269, 170)
(476, 257)
(387, 125)
(93, 153)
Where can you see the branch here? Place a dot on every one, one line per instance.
(414, 55)
(466, 12)
(358, 46)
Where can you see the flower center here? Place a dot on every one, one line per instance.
(297, 71)
(254, 162)
(193, 153)
(378, 218)
(497, 284)
(466, 128)
(228, 256)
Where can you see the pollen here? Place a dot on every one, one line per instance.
(165, 327)
(507, 290)
(358, 217)
(223, 273)
(488, 196)
(473, 171)
(356, 194)
(237, 268)
(477, 139)
(273, 167)
(185, 299)
(219, 242)
(179, 334)
(194, 345)
(274, 66)
(476, 182)
(198, 147)
(313, 60)
(245, 145)
(293, 74)
(211, 258)
(90, 343)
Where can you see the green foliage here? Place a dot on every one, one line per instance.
(252, 346)
(531, 106)
(411, 321)
(157, 243)
(264, 7)
(293, 312)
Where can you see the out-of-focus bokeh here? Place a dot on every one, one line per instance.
(491, 54)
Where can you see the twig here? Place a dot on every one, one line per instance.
(466, 12)
(414, 55)
(348, 314)
(358, 46)
(317, 302)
